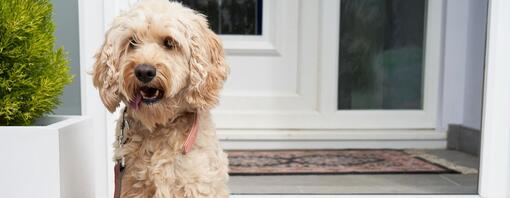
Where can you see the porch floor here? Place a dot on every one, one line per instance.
(366, 183)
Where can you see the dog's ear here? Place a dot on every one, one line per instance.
(105, 75)
(208, 69)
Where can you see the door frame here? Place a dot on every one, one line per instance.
(495, 161)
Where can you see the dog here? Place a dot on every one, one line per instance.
(165, 64)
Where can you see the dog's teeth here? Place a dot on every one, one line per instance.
(151, 96)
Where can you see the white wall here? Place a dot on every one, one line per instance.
(463, 63)
(474, 66)
(65, 16)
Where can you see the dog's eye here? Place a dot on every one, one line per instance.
(169, 43)
(132, 43)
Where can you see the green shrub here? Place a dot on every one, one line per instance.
(32, 73)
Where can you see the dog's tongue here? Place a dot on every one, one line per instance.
(136, 102)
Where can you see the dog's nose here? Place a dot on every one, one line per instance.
(145, 73)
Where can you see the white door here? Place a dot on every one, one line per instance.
(298, 81)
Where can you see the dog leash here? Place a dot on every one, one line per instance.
(121, 163)
(121, 140)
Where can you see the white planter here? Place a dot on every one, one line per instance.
(53, 159)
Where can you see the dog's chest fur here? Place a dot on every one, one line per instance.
(155, 162)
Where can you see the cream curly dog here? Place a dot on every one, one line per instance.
(162, 61)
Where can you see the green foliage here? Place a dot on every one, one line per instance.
(32, 73)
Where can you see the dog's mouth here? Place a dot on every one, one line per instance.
(147, 95)
(150, 94)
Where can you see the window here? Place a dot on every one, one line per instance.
(232, 17)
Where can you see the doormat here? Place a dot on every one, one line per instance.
(357, 161)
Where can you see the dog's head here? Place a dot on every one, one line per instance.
(158, 57)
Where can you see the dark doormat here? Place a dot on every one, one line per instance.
(345, 161)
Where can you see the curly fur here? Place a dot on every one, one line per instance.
(191, 74)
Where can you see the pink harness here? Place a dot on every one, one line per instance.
(192, 136)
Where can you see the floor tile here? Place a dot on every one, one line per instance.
(457, 157)
(365, 184)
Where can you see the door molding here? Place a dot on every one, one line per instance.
(246, 139)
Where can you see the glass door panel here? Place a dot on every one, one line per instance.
(232, 17)
(381, 56)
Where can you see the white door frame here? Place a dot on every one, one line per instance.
(495, 163)
(91, 35)
(495, 153)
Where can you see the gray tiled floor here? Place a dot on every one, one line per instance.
(363, 184)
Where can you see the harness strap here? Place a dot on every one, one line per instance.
(192, 136)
